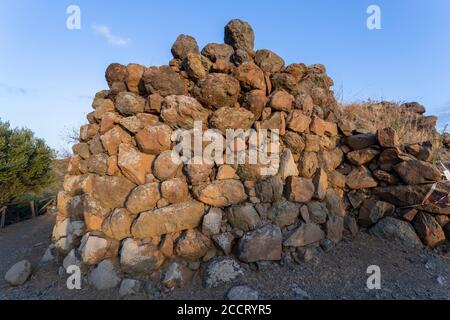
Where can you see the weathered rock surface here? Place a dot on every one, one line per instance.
(132, 195)
(18, 273)
(182, 111)
(428, 229)
(173, 218)
(143, 198)
(104, 276)
(304, 234)
(239, 34)
(261, 244)
(221, 193)
(221, 271)
(396, 230)
(139, 257)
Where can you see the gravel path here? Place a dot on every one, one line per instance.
(337, 274)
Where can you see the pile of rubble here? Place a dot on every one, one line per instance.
(129, 210)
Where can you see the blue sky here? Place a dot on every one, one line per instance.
(49, 74)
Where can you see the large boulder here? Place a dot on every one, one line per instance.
(218, 90)
(183, 45)
(135, 165)
(239, 34)
(232, 118)
(173, 218)
(244, 217)
(304, 234)
(198, 173)
(428, 229)
(360, 141)
(294, 141)
(182, 111)
(269, 61)
(373, 210)
(154, 139)
(320, 181)
(335, 228)
(192, 245)
(308, 164)
(134, 78)
(387, 137)
(412, 195)
(299, 189)
(138, 122)
(115, 72)
(104, 276)
(281, 100)
(176, 275)
(95, 248)
(111, 191)
(197, 66)
(363, 156)
(298, 122)
(393, 229)
(417, 172)
(98, 163)
(113, 138)
(143, 198)
(221, 271)
(212, 222)
(360, 178)
(318, 212)
(18, 273)
(164, 166)
(283, 213)
(218, 51)
(129, 104)
(250, 76)
(164, 80)
(140, 257)
(175, 190)
(261, 244)
(221, 193)
(255, 101)
(269, 190)
(94, 213)
(287, 165)
(118, 224)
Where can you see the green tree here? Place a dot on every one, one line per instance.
(25, 163)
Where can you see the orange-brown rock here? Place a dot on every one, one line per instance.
(170, 219)
(221, 193)
(134, 164)
(154, 139)
(299, 189)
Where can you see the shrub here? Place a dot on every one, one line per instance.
(25, 163)
(411, 127)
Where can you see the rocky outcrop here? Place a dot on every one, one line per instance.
(133, 203)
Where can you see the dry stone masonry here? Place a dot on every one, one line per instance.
(129, 211)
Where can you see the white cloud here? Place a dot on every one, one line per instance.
(105, 32)
(12, 90)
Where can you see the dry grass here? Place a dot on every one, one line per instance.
(371, 116)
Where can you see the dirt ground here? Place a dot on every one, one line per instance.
(337, 274)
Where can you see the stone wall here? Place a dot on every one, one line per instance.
(128, 210)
